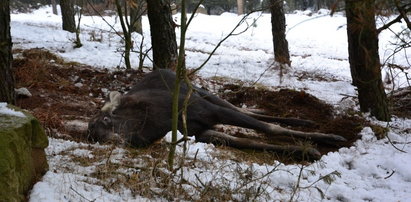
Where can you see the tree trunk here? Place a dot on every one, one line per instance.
(163, 36)
(6, 75)
(126, 31)
(54, 6)
(240, 7)
(281, 52)
(136, 11)
(364, 58)
(67, 13)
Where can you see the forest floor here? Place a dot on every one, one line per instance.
(64, 93)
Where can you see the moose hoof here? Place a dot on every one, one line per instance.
(313, 154)
(337, 138)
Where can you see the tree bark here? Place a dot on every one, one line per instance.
(126, 31)
(136, 11)
(240, 7)
(163, 36)
(67, 13)
(281, 52)
(54, 6)
(364, 58)
(6, 75)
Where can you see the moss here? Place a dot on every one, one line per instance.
(380, 132)
(19, 137)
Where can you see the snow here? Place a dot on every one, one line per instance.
(370, 170)
(8, 111)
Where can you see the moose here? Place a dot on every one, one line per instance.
(142, 116)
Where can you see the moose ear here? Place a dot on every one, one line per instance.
(132, 102)
(113, 102)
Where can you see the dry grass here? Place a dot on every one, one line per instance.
(33, 68)
(144, 172)
(49, 118)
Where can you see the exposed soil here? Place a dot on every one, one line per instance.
(63, 91)
(298, 104)
(400, 101)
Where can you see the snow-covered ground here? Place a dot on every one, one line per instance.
(8, 111)
(370, 170)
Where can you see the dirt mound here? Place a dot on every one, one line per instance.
(297, 104)
(400, 101)
(64, 91)
(283, 103)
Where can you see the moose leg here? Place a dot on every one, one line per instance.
(255, 113)
(218, 138)
(315, 136)
(230, 117)
(287, 121)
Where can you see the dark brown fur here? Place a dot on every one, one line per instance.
(143, 116)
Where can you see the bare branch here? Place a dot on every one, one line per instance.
(386, 26)
(226, 37)
(111, 26)
(403, 12)
(194, 11)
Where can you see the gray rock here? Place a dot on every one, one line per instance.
(23, 92)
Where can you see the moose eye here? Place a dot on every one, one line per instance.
(106, 120)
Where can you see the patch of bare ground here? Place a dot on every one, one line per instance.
(400, 101)
(63, 91)
(314, 76)
(297, 104)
